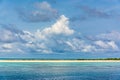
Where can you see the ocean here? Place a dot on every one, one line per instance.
(60, 71)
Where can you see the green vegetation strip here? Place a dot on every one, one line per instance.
(57, 59)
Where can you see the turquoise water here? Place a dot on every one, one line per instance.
(60, 71)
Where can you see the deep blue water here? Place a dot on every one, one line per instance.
(60, 71)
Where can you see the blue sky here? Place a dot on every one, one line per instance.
(60, 29)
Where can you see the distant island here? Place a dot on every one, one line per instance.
(57, 59)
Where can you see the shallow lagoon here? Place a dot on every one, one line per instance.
(60, 71)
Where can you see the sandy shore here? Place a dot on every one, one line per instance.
(59, 60)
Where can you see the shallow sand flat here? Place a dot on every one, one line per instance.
(59, 60)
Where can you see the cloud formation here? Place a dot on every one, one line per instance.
(113, 35)
(92, 12)
(43, 12)
(109, 45)
(58, 38)
(40, 41)
(60, 27)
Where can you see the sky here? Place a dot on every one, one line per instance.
(59, 29)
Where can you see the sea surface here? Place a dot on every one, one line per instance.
(60, 71)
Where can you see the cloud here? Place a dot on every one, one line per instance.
(104, 10)
(113, 35)
(60, 27)
(8, 34)
(45, 6)
(106, 41)
(43, 12)
(78, 45)
(58, 38)
(93, 12)
(107, 36)
(107, 45)
(45, 40)
(88, 12)
(7, 46)
(51, 36)
(10, 47)
(12, 34)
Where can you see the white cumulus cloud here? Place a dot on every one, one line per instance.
(60, 27)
